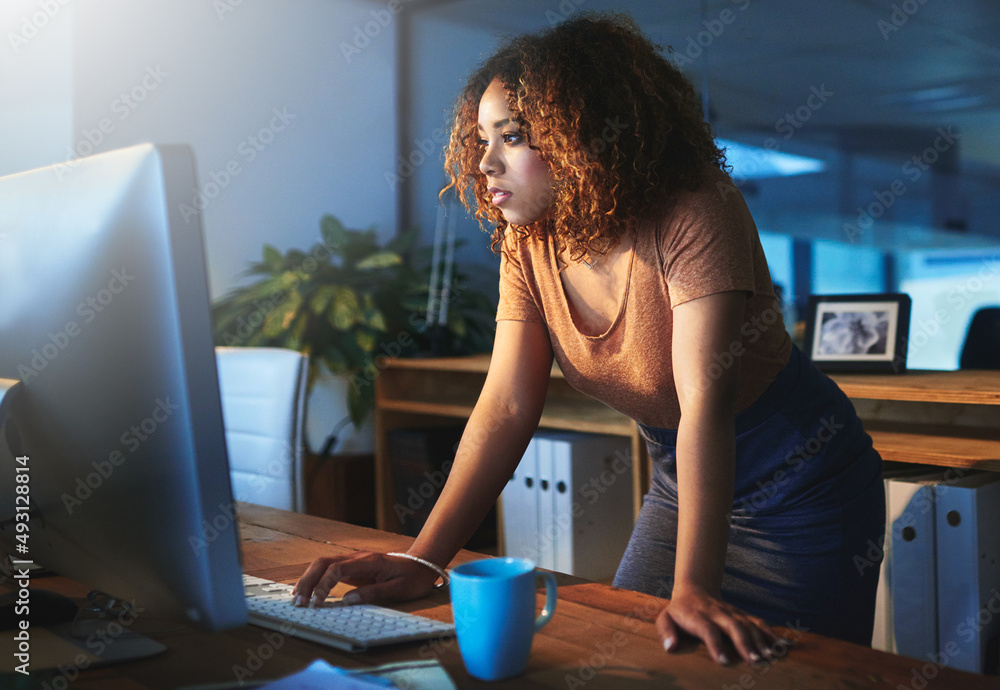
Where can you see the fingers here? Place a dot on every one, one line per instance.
(698, 625)
(324, 573)
(747, 639)
(717, 625)
(764, 636)
(377, 576)
(711, 635)
(667, 629)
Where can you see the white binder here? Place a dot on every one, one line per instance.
(591, 499)
(882, 634)
(520, 508)
(968, 565)
(912, 571)
(568, 506)
(548, 530)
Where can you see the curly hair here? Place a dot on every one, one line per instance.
(619, 126)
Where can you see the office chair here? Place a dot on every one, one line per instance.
(263, 393)
(982, 341)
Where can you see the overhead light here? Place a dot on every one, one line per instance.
(935, 99)
(964, 103)
(757, 162)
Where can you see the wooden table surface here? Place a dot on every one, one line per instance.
(600, 637)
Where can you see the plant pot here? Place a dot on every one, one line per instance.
(326, 413)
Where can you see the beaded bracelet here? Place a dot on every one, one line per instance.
(440, 571)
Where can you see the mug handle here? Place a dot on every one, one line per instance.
(550, 599)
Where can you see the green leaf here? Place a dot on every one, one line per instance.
(320, 301)
(366, 341)
(294, 339)
(334, 233)
(295, 259)
(379, 260)
(280, 318)
(272, 257)
(344, 312)
(376, 319)
(286, 281)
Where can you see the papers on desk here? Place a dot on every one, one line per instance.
(415, 675)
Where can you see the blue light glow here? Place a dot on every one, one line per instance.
(757, 162)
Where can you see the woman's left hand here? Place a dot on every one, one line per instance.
(712, 620)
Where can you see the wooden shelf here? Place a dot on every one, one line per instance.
(942, 418)
(943, 446)
(966, 387)
(939, 418)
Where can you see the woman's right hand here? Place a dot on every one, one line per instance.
(376, 576)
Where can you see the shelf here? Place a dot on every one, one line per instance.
(967, 386)
(936, 418)
(941, 446)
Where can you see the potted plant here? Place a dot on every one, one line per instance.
(348, 303)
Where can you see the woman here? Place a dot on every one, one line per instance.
(630, 257)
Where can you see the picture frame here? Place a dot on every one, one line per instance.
(862, 333)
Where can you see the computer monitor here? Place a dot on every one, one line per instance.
(116, 424)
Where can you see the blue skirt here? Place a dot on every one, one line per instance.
(808, 506)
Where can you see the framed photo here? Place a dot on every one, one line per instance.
(858, 332)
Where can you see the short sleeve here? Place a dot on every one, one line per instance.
(707, 245)
(516, 301)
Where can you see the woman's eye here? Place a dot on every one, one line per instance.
(513, 138)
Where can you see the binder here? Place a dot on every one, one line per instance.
(520, 507)
(968, 565)
(568, 506)
(565, 508)
(882, 634)
(548, 530)
(590, 495)
(912, 572)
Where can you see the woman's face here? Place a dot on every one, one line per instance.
(519, 182)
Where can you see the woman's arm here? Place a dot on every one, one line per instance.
(497, 433)
(703, 329)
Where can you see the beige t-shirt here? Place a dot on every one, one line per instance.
(706, 244)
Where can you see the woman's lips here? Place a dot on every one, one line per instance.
(498, 196)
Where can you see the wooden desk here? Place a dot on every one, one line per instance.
(599, 636)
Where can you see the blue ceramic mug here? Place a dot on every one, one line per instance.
(493, 602)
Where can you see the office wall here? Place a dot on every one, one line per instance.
(438, 73)
(35, 84)
(288, 105)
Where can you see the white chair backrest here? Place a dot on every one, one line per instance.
(263, 393)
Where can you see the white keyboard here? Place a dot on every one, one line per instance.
(353, 628)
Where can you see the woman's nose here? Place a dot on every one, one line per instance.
(490, 163)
